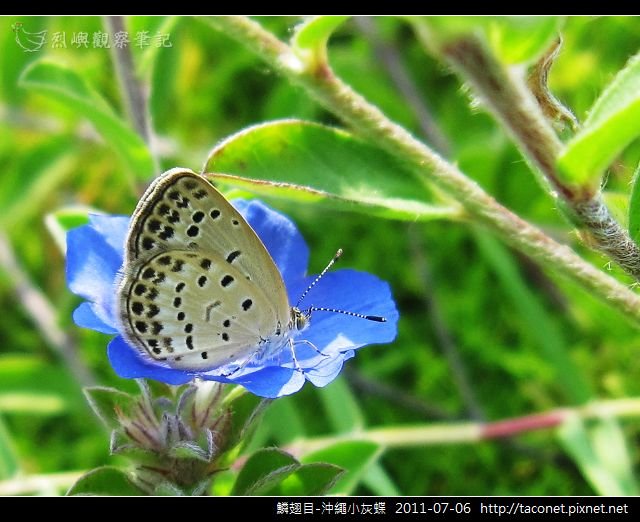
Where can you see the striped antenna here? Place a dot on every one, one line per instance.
(376, 318)
(345, 312)
(304, 294)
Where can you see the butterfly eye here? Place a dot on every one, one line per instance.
(299, 319)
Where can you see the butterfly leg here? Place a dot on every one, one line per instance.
(296, 364)
(243, 364)
(315, 348)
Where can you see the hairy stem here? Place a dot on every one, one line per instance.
(507, 97)
(371, 123)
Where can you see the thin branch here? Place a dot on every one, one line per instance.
(42, 313)
(473, 432)
(507, 97)
(130, 86)
(431, 168)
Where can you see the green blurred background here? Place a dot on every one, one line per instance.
(484, 333)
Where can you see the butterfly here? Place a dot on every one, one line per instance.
(198, 288)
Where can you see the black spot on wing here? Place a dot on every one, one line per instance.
(141, 326)
(153, 311)
(193, 231)
(233, 255)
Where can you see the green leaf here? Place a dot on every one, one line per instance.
(309, 479)
(600, 453)
(313, 163)
(379, 482)
(105, 401)
(153, 25)
(522, 39)
(618, 204)
(26, 187)
(634, 208)
(67, 86)
(263, 470)
(613, 122)
(283, 422)
(540, 325)
(14, 58)
(189, 451)
(341, 407)
(310, 39)
(354, 457)
(9, 464)
(167, 489)
(28, 385)
(515, 39)
(105, 481)
(246, 408)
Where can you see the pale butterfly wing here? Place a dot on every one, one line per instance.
(199, 288)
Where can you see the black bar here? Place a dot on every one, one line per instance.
(371, 508)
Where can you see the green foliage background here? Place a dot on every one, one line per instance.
(528, 341)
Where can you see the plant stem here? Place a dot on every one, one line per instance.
(372, 124)
(507, 97)
(130, 87)
(472, 432)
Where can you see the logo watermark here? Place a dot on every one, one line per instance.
(29, 42)
(34, 41)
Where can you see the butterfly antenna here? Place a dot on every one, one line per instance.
(376, 318)
(304, 294)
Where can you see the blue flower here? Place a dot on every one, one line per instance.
(94, 258)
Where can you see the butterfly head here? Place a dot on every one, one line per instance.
(299, 318)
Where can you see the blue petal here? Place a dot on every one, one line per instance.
(281, 237)
(327, 371)
(270, 382)
(351, 291)
(92, 267)
(86, 317)
(112, 228)
(127, 363)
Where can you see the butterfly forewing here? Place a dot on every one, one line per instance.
(199, 288)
